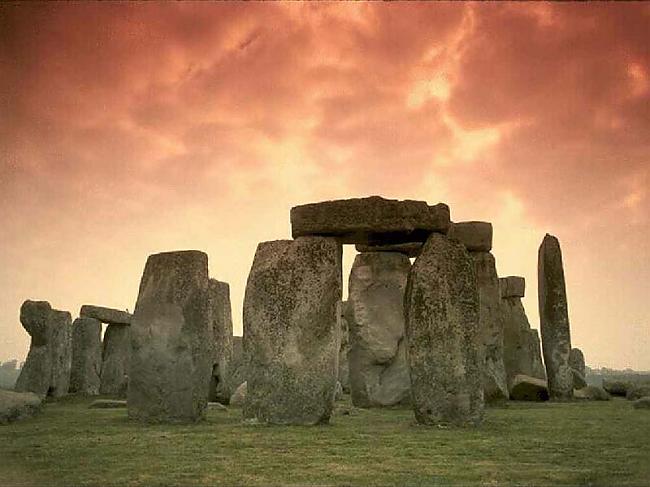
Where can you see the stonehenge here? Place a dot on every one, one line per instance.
(577, 364)
(86, 356)
(344, 348)
(526, 388)
(221, 322)
(115, 360)
(106, 315)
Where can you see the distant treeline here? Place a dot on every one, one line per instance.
(596, 376)
(9, 373)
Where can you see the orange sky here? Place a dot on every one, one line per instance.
(128, 129)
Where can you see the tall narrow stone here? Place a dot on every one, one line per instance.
(378, 371)
(86, 356)
(115, 360)
(36, 374)
(577, 364)
(554, 319)
(442, 331)
(344, 349)
(291, 340)
(171, 340)
(61, 352)
(221, 319)
(236, 369)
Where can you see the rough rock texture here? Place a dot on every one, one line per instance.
(512, 287)
(61, 352)
(237, 368)
(525, 388)
(579, 380)
(591, 393)
(554, 319)
(86, 356)
(535, 345)
(637, 391)
(344, 348)
(642, 403)
(410, 249)
(616, 387)
(379, 373)
(115, 360)
(291, 340)
(442, 330)
(577, 364)
(495, 384)
(36, 374)
(106, 315)
(171, 340)
(15, 406)
(238, 397)
(475, 236)
(107, 404)
(372, 220)
(221, 321)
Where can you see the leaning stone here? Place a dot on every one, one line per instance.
(36, 374)
(379, 374)
(577, 364)
(373, 220)
(637, 391)
(344, 348)
(15, 406)
(410, 249)
(442, 331)
(642, 403)
(86, 356)
(106, 315)
(290, 331)
(238, 397)
(475, 236)
(535, 347)
(512, 287)
(115, 360)
(616, 387)
(221, 323)
(61, 351)
(554, 319)
(579, 380)
(107, 404)
(591, 393)
(171, 340)
(525, 388)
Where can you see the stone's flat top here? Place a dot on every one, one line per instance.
(512, 286)
(371, 220)
(475, 236)
(410, 249)
(107, 404)
(106, 315)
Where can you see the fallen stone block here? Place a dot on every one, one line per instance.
(525, 388)
(591, 393)
(107, 404)
(637, 391)
(642, 403)
(616, 387)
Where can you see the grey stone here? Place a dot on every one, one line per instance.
(637, 391)
(344, 348)
(495, 384)
(115, 360)
(410, 249)
(61, 351)
(379, 375)
(291, 340)
(36, 374)
(86, 356)
(106, 315)
(237, 367)
(238, 397)
(217, 406)
(338, 391)
(221, 321)
(475, 236)
(579, 380)
(616, 387)
(171, 340)
(535, 346)
(107, 404)
(512, 287)
(577, 364)
(15, 406)
(442, 331)
(525, 388)
(554, 319)
(521, 347)
(591, 393)
(642, 403)
(372, 220)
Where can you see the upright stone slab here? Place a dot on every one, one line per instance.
(536, 353)
(379, 373)
(577, 364)
(442, 331)
(36, 374)
(554, 319)
(290, 331)
(115, 360)
(236, 370)
(171, 340)
(221, 320)
(61, 352)
(86, 356)
(344, 349)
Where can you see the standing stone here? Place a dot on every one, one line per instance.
(344, 349)
(61, 352)
(36, 374)
(290, 331)
(577, 364)
(442, 331)
(86, 356)
(221, 320)
(171, 340)
(535, 347)
(554, 319)
(115, 360)
(236, 370)
(379, 373)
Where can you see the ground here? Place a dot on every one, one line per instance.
(570, 444)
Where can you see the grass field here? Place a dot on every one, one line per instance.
(595, 443)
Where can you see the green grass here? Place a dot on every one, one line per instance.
(596, 443)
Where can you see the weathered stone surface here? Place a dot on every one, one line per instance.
(106, 315)
(642, 403)
(238, 397)
(107, 404)
(637, 391)
(61, 351)
(554, 319)
(410, 249)
(577, 364)
(535, 346)
(115, 360)
(591, 393)
(338, 391)
(475, 236)
(86, 356)
(237, 368)
(525, 388)
(372, 220)
(379, 373)
(344, 348)
(36, 374)
(15, 406)
(290, 331)
(221, 322)
(217, 406)
(171, 340)
(495, 384)
(616, 387)
(512, 287)
(579, 380)
(442, 330)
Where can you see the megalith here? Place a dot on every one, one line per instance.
(36, 374)
(291, 341)
(554, 319)
(379, 373)
(171, 340)
(442, 335)
(115, 360)
(236, 369)
(577, 364)
(61, 352)
(221, 321)
(344, 348)
(109, 316)
(86, 356)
